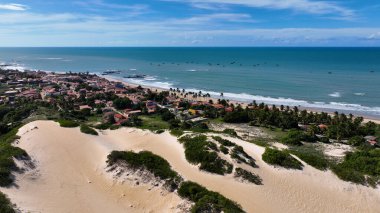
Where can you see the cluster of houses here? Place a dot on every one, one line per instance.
(47, 86)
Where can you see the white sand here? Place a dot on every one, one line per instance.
(68, 159)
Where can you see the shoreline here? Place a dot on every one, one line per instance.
(235, 102)
(245, 103)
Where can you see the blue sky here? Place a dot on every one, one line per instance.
(190, 23)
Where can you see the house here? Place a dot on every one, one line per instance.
(151, 106)
(229, 109)
(85, 107)
(372, 140)
(118, 117)
(218, 106)
(322, 126)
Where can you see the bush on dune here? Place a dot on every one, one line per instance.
(205, 200)
(281, 158)
(200, 151)
(88, 130)
(68, 123)
(147, 160)
(5, 204)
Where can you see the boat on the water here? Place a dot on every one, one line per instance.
(135, 76)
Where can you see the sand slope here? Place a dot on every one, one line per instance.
(67, 160)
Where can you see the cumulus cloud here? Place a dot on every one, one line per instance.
(15, 7)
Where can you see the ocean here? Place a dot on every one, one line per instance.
(327, 79)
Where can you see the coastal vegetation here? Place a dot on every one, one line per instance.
(7, 155)
(155, 164)
(68, 123)
(248, 176)
(5, 204)
(317, 161)
(198, 150)
(240, 155)
(281, 158)
(205, 200)
(361, 167)
(88, 130)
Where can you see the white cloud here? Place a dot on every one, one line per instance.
(15, 7)
(216, 17)
(66, 29)
(306, 6)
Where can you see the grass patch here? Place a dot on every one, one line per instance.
(68, 123)
(248, 176)
(200, 151)
(314, 159)
(5, 204)
(280, 158)
(88, 130)
(153, 122)
(263, 142)
(207, 201)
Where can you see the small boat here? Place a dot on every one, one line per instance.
(135, 76)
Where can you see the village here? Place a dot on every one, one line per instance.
(89, 93)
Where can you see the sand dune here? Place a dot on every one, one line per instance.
(67, 161)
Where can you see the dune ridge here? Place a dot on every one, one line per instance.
(70, 176)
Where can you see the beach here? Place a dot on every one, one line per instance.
(232, 101)
(70, 175)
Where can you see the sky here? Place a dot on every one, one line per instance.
(189, 23)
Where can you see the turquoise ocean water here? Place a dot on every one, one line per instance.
(329, 79)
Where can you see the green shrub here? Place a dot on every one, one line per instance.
(222, 141)
(88, 130)
(103, 126)
(155, 164)
(224, 149)
(293, 137)
(231, 132)
(356, 141)
(281, 158)
(114, 127)
(200, 151)
(207, 201)
(5, 204)
(357, 165)
(248, 176)
(236, 117)
(68, 123)
(7, 153)
(160, 131)
(240, 155)
(176, 132)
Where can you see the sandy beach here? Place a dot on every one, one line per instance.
(70, 176)
(215, 100)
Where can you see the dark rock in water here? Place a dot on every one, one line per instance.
(372, 71)
(330, 72)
